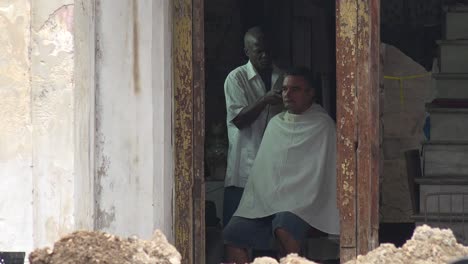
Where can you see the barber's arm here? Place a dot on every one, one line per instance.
(250, 113)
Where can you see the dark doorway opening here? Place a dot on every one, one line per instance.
(303, 34)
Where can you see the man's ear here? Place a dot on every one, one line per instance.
(246, 51)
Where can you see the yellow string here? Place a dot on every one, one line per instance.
(400, 80)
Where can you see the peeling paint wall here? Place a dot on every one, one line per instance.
(133, 180)
(52, 120)
(85, 119)
(36, 120)
(16, 221)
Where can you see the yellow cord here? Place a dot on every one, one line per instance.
(400, 80)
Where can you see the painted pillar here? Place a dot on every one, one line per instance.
(133, 155)
(162, 116)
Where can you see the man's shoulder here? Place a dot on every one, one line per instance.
(317, 120)
(319, 115)
(239, 72)
(324, 119)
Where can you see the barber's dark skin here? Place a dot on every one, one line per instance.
(258, 52)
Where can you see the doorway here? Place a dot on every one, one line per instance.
(302, 34)
(357, 36)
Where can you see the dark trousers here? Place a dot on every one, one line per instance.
(232, 197)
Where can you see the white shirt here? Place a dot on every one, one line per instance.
(295, 171)
(243, 87)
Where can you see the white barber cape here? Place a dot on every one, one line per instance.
(295, 171)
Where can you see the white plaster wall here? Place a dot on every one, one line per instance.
(36, 123)
(85, 122)
(162, 116)
(52, 119)
(16, 219)
(43, 10)
(133, 105)
(84, 100)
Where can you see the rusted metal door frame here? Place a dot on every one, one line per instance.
(189, 124)
(358, 124)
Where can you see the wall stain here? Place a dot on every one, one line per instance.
(104, 219)
(102, 170)
(136, 62)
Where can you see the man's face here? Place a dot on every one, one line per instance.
(258, 52)
(297, 96)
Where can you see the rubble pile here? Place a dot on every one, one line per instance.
(98, 247)
(290, 259)
(428, 245)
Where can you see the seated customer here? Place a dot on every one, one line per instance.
(292, 186)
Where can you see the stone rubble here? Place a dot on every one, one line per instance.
(98, 247)
(290, 259)
(428, 245)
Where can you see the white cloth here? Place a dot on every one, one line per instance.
(243, 87)
(295, 171)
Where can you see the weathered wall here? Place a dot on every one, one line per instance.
(403, 130)
(72, 73)
(36, 153)
(16, 221)
(162, 116)
(84, 41)
(52, 118)
(133, 104)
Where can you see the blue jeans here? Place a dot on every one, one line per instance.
(259, 233)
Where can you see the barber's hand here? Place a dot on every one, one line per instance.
(273, 97)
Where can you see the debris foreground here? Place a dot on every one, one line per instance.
(428, 245)
(98, 247)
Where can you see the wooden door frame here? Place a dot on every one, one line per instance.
(358, 129)
(358, 124)
(189, 126)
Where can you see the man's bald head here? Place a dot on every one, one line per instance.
(253, 35)
(257, 48)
